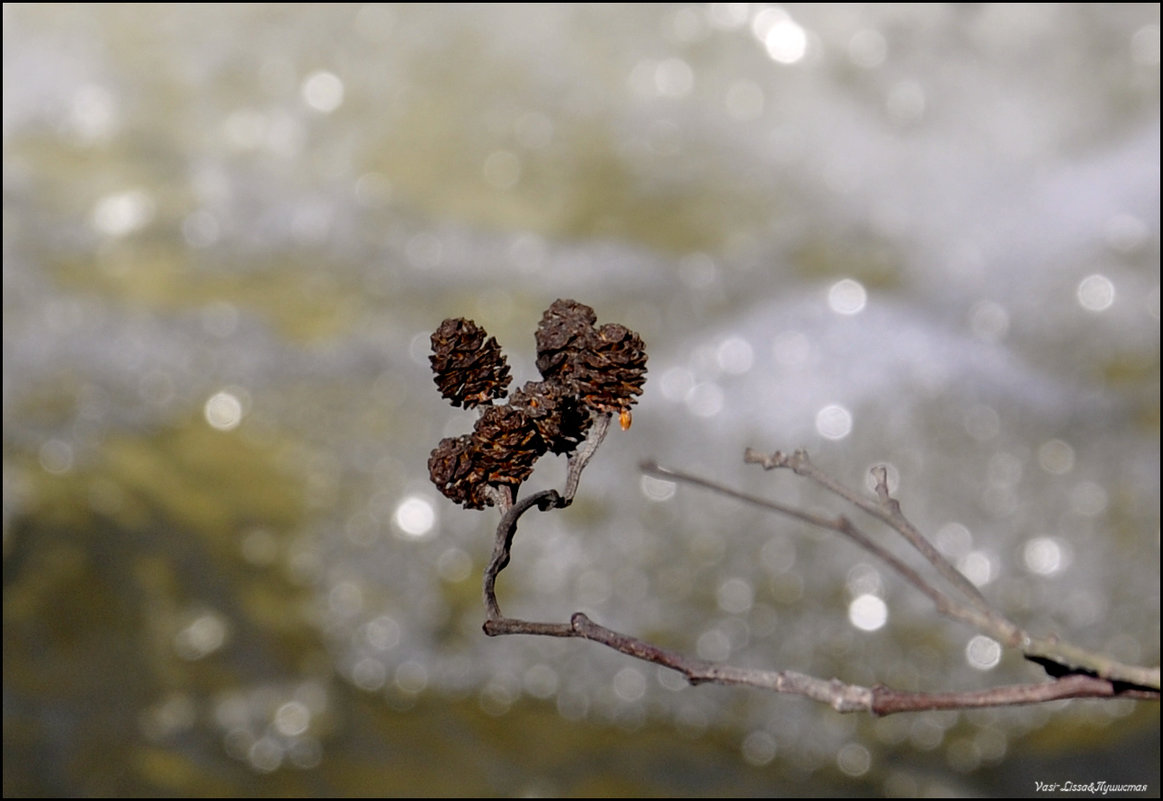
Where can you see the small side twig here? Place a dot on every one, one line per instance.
(585, 451)
(842, 525)
(886, 509)
(545, 500)
(1067, 658)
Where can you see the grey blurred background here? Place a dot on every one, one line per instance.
(920, 235)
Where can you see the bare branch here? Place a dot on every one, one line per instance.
(1074, 685)
(506, 529)
(843, 525)
(585, 451)
(886, 509)
(545, 500)
(842, 697)
(1067, 658)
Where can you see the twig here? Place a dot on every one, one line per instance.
(578, 460)
(842, 697)
(506, 529)
(843, 525)
(1070, 658)
(1067, 658)
(886, 509)
(544, 500)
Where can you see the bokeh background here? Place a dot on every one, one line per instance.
(920, 235)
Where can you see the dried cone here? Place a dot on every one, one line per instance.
(610, 374)
(500, 452)
(469, 369)
(454, 468)
(587, 370)
(508, 444)
(564, 331)
(555, 411)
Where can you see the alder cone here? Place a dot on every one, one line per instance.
(507, 444)
(611, 372)
(469, 368)
(555, 411)
(586, 370)
(564, 331)
(500, 452)
(454, 468)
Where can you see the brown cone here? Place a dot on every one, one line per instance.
(469, 370)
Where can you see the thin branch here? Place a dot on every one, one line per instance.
(843, 525)
(886, 509)
(506, 529)
(1068, 656)
(842, 697)
(1074, 685)
(1069, 659)
(585, 451)
(544, 500)
(1072, 658)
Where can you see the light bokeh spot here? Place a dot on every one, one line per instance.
(983, 653)
(847, 296)
(56, 457)
(834, 422)
(415, 516)
(868, 612)
(223, 410)
(1045, 556)
(656, 489)
(323, 91)
(1096, 293)
(785, 41)
(759, 748)
(122, 213)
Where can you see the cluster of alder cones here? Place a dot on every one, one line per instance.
(586, 371)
